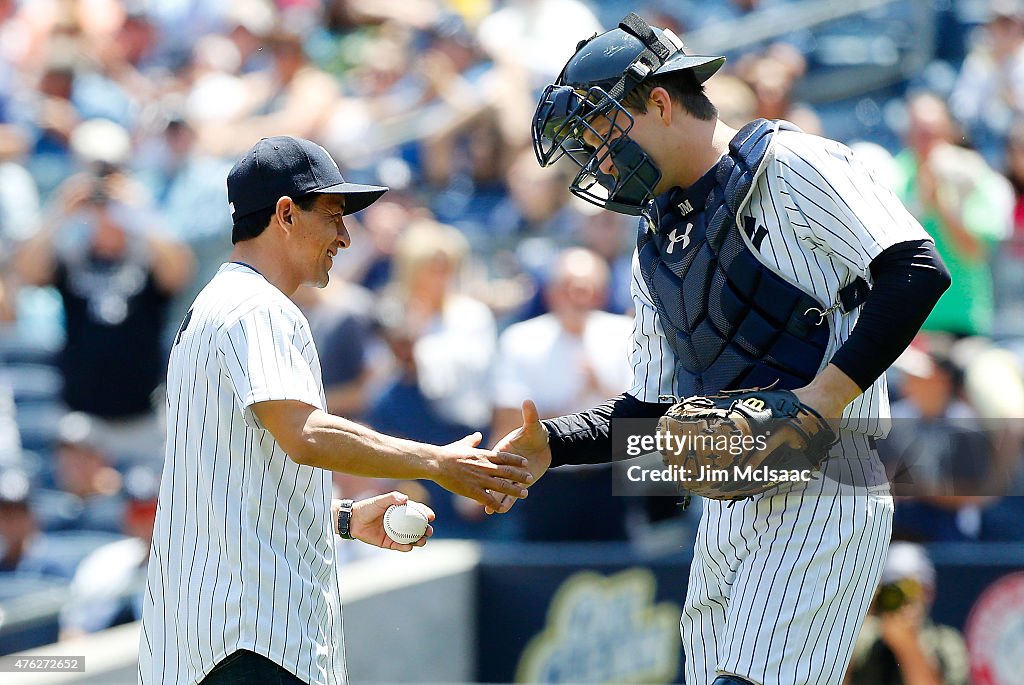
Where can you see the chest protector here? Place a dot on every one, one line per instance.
(730, 320)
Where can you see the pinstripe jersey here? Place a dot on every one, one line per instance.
(243, 548)
(820, 219)
(780, 583)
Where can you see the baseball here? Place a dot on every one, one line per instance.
(405, 523)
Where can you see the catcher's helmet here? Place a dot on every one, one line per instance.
(587, 96)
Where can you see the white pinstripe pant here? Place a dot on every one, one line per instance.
(779, 585)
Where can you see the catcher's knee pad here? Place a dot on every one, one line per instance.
(731, 680)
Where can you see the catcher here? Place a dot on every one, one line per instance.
(765, 258)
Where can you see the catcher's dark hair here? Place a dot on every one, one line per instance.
(253, 224)
(682, 86)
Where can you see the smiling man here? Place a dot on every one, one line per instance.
(241, 584)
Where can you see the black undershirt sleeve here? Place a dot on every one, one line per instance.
(585, 437)
(908, 280)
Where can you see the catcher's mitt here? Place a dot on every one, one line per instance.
(741, 443)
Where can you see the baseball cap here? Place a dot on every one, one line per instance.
(77, 429)
(285, 165)
(908, 560)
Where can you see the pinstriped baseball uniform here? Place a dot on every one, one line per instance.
(779, 584)
(243, 552)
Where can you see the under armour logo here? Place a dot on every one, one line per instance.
(684, 239)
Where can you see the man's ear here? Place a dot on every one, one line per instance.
(659, 102)
(285, 211)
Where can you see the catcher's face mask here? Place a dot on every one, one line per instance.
(592, 128)
(581, 115)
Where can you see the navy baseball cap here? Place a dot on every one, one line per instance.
(285, 165)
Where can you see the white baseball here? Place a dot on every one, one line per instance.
(405, 523)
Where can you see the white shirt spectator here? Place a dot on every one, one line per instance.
(532, 34)
(562, 373)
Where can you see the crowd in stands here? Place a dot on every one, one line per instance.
(475, 283)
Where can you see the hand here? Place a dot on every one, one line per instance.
(72, 195)
(368, 521)
(829, 393)
(900, 629)
(483, 475)
(531, 441)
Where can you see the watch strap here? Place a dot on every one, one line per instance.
(345, 519)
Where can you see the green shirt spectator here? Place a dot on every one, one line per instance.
(964, 205)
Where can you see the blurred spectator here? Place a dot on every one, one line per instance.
(989, 91)
(294, 97)
(443, 344)
(937, 451)
(369, 262)
(537, 206)
(528, 227)
(103, 250)
(468, 167)
(962, 203)
(108, 583)
(566, 361)
(1015, 173)
(533, 36)
(10, 435)
(736, 101)
(89, 488)
(612, 237)
(899, 644)
(341, 319)
(19, 213)
(993, 383)
(1008, 264)
(458, 79)
(772, 76)
(22, 546)
(49, 116)
(443, 341)
(214, 91)
(181, 179)
(246, 23)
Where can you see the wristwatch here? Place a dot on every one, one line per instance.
(345, 519)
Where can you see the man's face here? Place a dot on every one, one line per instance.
(320, 233)
(609, 128)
